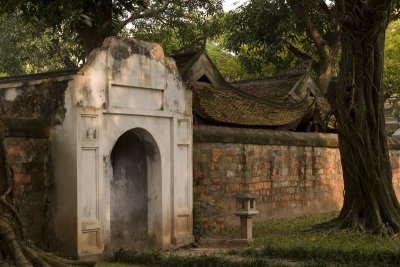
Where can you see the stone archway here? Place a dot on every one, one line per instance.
(133, 189)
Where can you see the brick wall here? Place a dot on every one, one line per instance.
(395, 162)
(28, 159)
(29, 106)
(291, 174)
(27, 148)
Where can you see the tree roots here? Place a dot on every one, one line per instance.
(353, 222)
(19, 254)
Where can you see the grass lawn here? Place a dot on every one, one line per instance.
(295, 239)
(284, 239)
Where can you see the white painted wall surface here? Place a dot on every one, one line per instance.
(124, 86)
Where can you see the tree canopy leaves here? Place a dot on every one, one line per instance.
(228, 64)
(32, 47)
(392, 60)
(270, 29)
(58, 34)
(94, 20)
(284, 33)
(177, 35)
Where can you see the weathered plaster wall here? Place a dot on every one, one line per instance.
(291, 174)
(35, 96)
(125, 86)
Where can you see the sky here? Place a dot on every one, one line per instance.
(232, 4)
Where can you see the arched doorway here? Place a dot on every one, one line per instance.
(136, 163)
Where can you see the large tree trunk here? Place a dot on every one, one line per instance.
(327, 43)
(326, 70)
(370, 203)
(92, 32)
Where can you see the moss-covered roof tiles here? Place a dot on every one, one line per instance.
(228, 106)
(276, 88)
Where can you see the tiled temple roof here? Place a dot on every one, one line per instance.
(198, 66)
(276, 87)
(227, 106)
(280, 102)
(184, 61)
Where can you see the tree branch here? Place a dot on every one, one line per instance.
(300, 54)
(332, 39)
(316, 36)
(381, 10)
(149, 14)
(297, 52)
(381, 5)
(325, 7)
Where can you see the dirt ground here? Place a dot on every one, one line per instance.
(229, 248)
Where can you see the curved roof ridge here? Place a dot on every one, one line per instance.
(225, 106)
(268, 78)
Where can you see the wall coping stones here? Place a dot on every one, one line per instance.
(217, 134)
(37, 78)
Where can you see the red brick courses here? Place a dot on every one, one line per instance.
(287, 180)
(28, 160)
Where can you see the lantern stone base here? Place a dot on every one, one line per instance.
(246, 227)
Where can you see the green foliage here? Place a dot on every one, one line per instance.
(395, 10)
(229, 64)
(392, 60)
(295, 239)
(278, 226)
(65, 30)
(157, 258)
(56, 33)
(185, 30)
(95, 20)
(32, 47)
(262, 31)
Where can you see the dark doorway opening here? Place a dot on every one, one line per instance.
(129, 192)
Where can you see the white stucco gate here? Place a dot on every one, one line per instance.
(123, 155)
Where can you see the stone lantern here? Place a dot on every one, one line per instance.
(245, 209)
